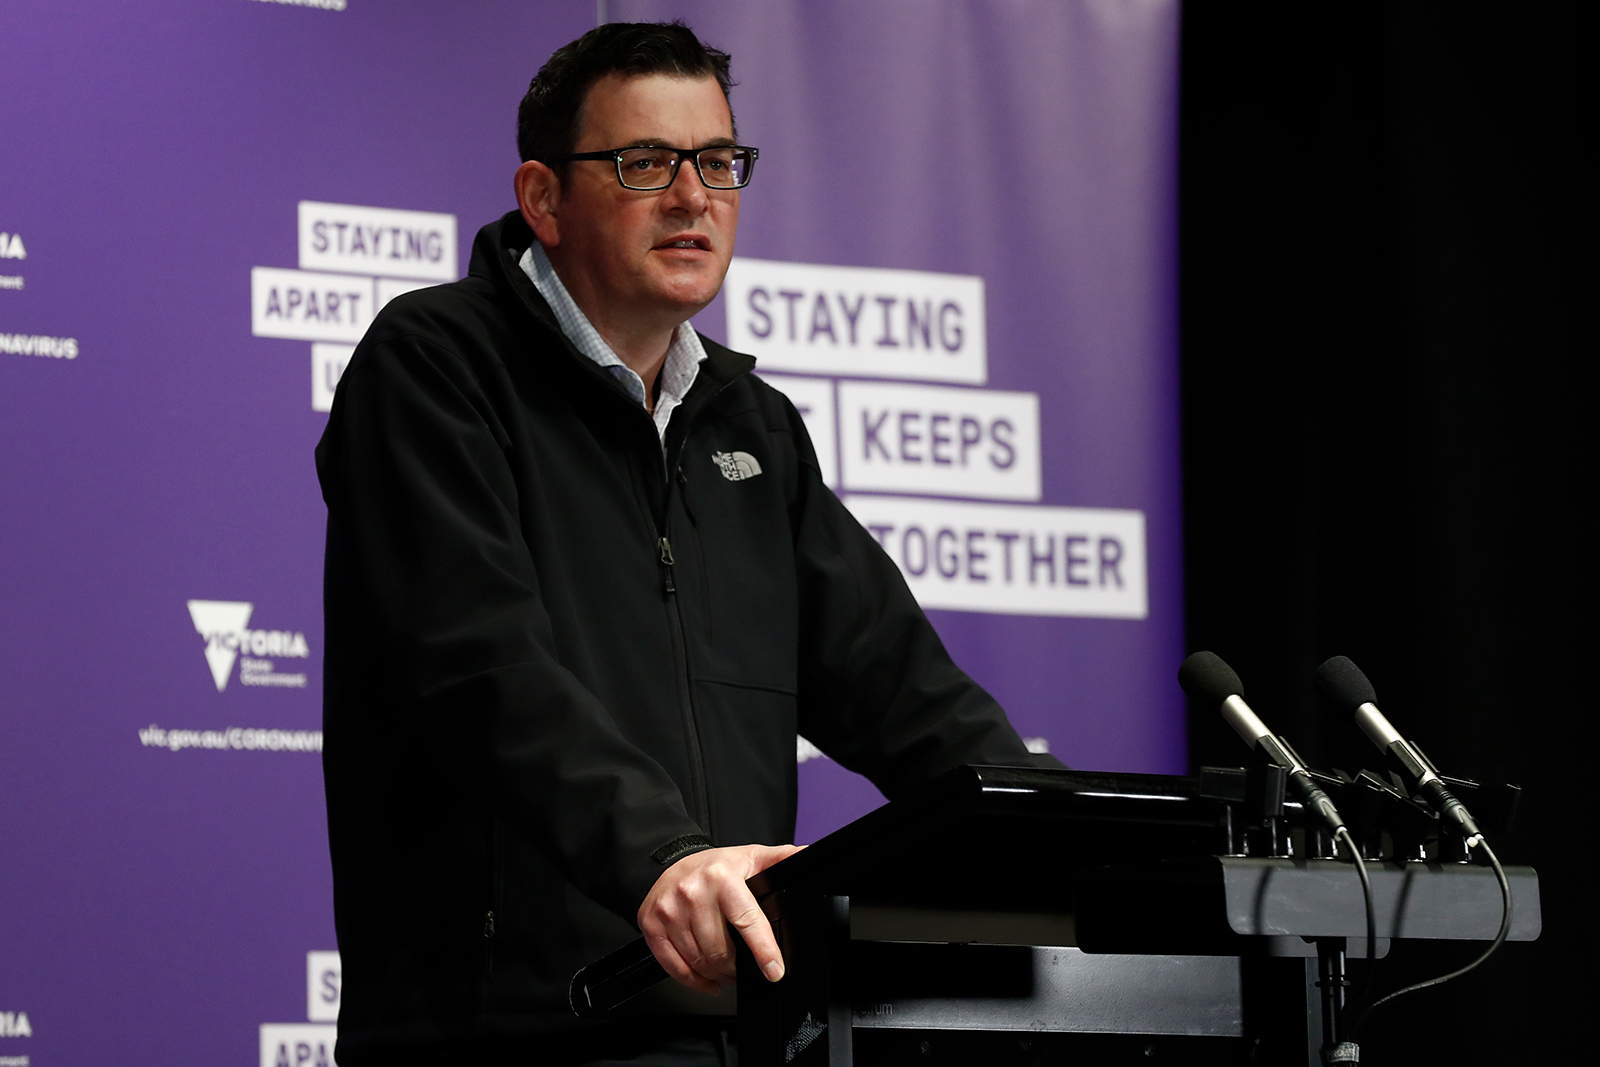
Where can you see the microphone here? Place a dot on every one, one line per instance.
(1342, 681)
(1205, 677)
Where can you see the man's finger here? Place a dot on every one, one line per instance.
(716, 947)
(685, 940)
(766, 855)
(746, 916)
(677, 968)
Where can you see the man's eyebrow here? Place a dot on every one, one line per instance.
(657, 142)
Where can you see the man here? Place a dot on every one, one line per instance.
(584, 584)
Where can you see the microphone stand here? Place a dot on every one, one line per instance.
(1332, 981)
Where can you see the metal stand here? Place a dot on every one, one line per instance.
(1333, 982)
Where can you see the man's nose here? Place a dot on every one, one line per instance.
(686, 193)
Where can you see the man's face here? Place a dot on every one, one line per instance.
(634, 260)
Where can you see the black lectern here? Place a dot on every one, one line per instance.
(1023, 915)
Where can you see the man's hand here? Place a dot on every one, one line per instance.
(685, 918)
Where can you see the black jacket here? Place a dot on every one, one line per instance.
(555, 663)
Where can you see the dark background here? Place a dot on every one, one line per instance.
(1388, 310)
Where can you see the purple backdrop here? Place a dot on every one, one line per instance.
(1032, 144)
(159, 889)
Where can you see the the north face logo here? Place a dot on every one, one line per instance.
(736, 466)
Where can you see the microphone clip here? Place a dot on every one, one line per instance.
(1266, 829)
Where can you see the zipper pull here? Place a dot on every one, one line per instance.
(488, 924)
(667, 563)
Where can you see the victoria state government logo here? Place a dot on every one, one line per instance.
(224, 625)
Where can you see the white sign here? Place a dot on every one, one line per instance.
(323, 980)
(939, 440)
(224, 626)
(327, 367)
(304, 306)
(813, 398)
(297, 1044)
(860, 321)
(1013, 559)
(378, 240)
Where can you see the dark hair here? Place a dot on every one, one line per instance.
(552, 109)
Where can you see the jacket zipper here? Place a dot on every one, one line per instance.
(680, 650)
(680, 654)
(664, 546)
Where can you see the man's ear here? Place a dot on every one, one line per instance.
(538, 195)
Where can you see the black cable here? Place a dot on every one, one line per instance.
(1372, 911)
(1345, 1050)
(1499, 939)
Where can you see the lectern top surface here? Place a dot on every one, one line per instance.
(1003, 837)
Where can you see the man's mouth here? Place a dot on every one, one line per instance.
(689, 241)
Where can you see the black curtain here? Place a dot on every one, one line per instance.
(1388, 306)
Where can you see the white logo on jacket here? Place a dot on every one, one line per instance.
(736, 466)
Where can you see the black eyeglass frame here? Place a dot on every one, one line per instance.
(691, 154)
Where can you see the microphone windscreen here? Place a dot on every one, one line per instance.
(1205, 677)
(1342, 682)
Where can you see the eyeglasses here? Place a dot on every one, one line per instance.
(648, 169)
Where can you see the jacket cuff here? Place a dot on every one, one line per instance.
(679, 847)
